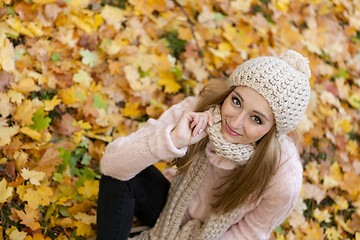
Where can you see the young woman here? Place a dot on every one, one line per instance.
(239, 173)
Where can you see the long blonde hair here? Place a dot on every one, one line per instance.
(248, 182)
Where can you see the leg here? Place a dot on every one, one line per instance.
(150, 191)
(145, 194)
(115, 211)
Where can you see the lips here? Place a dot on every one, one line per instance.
(230, 131)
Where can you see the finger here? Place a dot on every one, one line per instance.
(210, 119)
(195, 121)
(200, 126)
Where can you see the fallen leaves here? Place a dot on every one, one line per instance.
(74, 75)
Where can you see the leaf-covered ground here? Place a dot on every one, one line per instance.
(76, 74)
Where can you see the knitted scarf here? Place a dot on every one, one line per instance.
(168, 225)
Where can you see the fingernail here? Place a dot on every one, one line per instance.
(201, 130)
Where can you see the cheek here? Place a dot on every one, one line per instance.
(256, 132)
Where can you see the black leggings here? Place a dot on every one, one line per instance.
(143, 196)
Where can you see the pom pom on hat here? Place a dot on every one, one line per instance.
(283, 82)
(297, 61)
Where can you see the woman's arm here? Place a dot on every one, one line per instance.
(126, 156)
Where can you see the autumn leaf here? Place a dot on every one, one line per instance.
(131, 110)
(5, 192)
(40, 121)
(33, 176)
(89, 57)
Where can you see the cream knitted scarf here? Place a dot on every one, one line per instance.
(168, 225)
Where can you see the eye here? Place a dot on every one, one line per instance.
(257, 120)
(236, 101)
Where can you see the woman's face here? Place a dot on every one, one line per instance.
(246, 116)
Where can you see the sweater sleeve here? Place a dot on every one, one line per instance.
(275, 205)
(127, 156)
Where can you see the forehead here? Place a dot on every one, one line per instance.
(253, 99)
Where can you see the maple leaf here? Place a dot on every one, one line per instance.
(99, 103)
(167, 79)
(131, 110)
(5, 192)
(351, 183)
(29, 217)
(34, 176)
(40, 121)
(7, 60)
(6, 133)
(89, 58)
(83, 77)
(89, 189)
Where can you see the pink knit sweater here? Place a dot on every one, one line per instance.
(127, 156)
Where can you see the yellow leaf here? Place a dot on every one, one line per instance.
(29, 217)
(73, 95)
(6, 133)
(15, 97)
(340, 203)
(98, 21)
(16, 235)
(351, 183)
(31, 133)
(24, 112)
(35, 29)
(113, 16)
(5, 106)
(347, 126)
(282, 5)
(45, 194)
(90, 188)
(18, 26)
(82, 229)
(83, 78)
(32, 197)
(34, 176)
(85, 218)
(80, 23)
(332, 234)
(322, 215)
(7, 59)
(354, 100)
(167, 79)
(131, 110)
(5, 192)
(26, 85)
(44, 1)
(312, 172)
(352, 147)
(50, 104)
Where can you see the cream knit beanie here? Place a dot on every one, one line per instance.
(283, 81)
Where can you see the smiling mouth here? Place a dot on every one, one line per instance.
(230, 131)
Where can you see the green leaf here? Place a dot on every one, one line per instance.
(11, 11)
(40, 121)
(176, 71)
(99, 102)
(65, 155)
(64, 211)
(176, 45)
(89, 58)
(218, 16)
(55, 57)
(86, 159)
(342, 73)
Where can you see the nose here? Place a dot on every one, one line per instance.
(238, 121)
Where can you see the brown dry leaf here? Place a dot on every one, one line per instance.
(29, 217)
(351, 183)
(66, 126)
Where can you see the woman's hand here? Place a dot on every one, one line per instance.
(190, 128)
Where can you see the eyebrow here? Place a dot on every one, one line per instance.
(257, 112)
